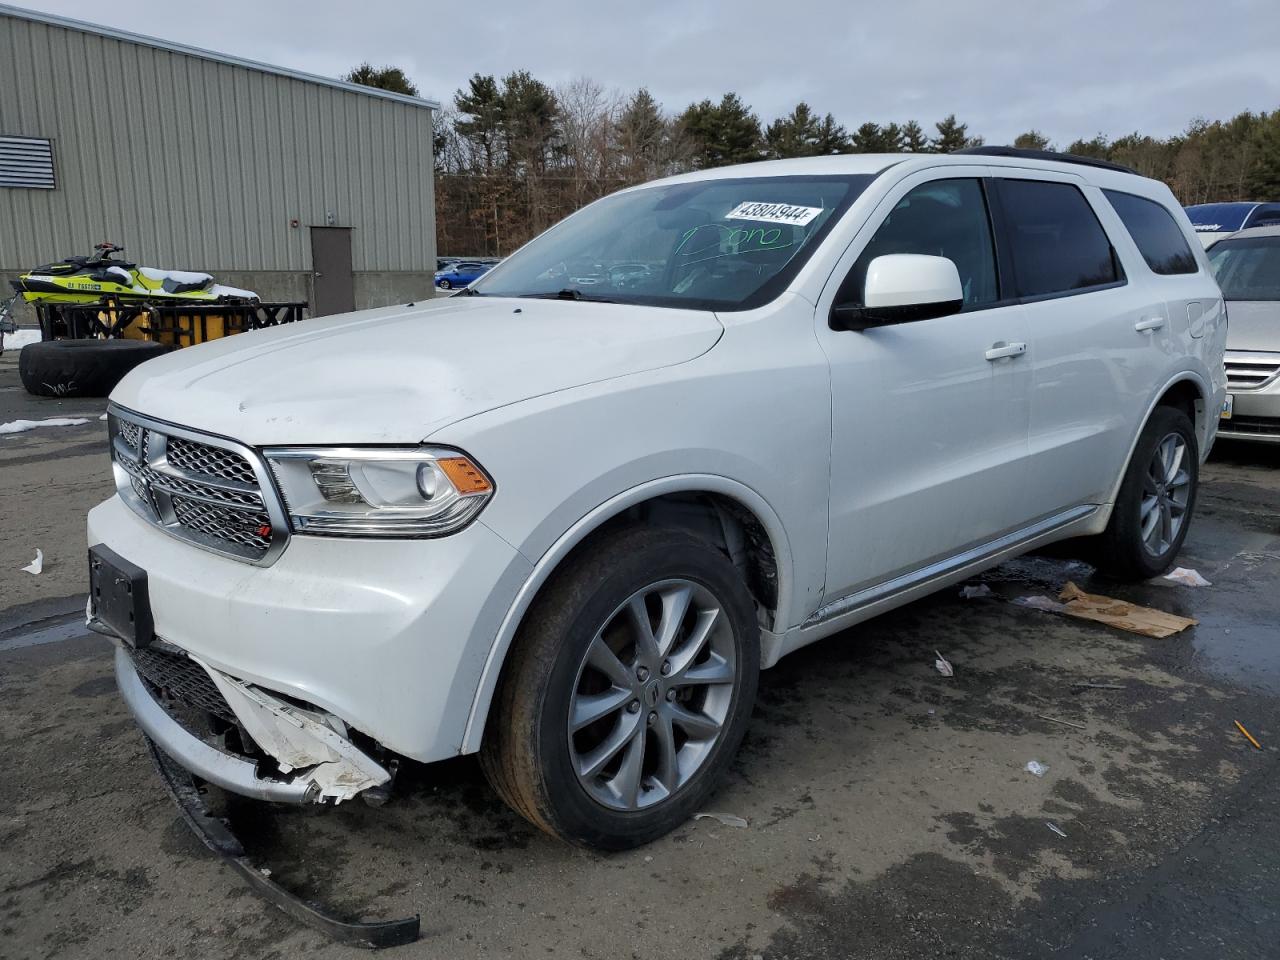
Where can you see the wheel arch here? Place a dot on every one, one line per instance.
(724, 511)
(1187, 391)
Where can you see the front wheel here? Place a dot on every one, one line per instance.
(446, 285)
(628, 691)
(1153, 508)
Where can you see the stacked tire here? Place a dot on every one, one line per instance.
(81, 368)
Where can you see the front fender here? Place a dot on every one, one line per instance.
(592, 520)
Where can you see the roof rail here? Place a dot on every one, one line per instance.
(1046, 155)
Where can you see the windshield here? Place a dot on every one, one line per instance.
(1247, 268)
(710, 245)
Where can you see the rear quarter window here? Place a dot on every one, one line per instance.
(1058, 245)
(1155, 233)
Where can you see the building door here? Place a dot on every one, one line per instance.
(332, 284)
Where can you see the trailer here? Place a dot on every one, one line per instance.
(85, 349)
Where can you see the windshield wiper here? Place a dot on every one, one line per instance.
(468, 292)
(568, 293)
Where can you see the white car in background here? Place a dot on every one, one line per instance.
(565, 526)
(1247, 268)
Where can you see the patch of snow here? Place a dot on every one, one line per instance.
(218, 290)
(177, 276)
(16, 341)
(21, 426)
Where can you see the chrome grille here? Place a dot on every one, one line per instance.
(1250, 371)
(200, 489)
(210, 461)
(233, 526)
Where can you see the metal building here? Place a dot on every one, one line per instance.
(295, 186)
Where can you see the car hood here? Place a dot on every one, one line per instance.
(399, 374)
(1253, 325)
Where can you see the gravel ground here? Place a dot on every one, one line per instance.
(890, 814)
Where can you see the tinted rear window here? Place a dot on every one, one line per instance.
(1156, 233)
(1058, 244)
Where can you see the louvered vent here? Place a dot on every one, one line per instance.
(26, 162)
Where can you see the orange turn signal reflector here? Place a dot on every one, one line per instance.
(464, 475)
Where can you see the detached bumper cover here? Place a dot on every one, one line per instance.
(215, 834)
(325, 766)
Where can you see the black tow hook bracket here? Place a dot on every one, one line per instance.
(215, 834)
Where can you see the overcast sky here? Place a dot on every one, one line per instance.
(1071, 69)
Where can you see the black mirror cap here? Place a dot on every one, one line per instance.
(854, 316)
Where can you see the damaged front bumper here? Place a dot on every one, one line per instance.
(317, 763)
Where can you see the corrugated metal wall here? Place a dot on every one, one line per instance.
(194, 164)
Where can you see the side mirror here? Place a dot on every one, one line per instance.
(900, 288)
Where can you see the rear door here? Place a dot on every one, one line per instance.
(1095, 334)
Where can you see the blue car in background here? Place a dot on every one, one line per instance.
(1213, 221)
(460, 274)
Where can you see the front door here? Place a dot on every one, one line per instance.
(929, 418)
(332, 282)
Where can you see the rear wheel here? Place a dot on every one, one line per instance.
(628, 691)
(1153, 509)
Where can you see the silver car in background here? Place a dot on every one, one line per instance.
(1247, 267)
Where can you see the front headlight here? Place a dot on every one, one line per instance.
(379, 492)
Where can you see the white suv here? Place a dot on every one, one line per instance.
(563, 518)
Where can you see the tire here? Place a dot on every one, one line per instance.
(1152, 490)
(446, 285)
(530, 755)
(81, 368)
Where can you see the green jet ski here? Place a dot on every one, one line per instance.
(86, 280)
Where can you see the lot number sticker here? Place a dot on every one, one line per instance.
(773, 213)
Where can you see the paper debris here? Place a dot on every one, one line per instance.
(21, 426)
(1118, 613)
(1248, 736)
(1039, 603)
(1056, 829)
(943, 665)
(1186, 577)
(1037, 768)
(974, 592)
(727, 819)
(36, 565)
(103, 417)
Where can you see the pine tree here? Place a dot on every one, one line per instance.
(832, 138)
(1032, 140)
(481, 103)
(643, 138)
(914, 139)
(953, 136)
(867, 138)
(795, 135)
(384, 78)
(723, 133)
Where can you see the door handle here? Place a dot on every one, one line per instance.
(1001, 350)
(1149, 324)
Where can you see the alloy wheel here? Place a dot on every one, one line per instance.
(652, 695)
(1166, 492)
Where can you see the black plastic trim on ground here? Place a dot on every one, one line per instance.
(215, 834)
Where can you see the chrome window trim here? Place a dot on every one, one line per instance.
(160, 513)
